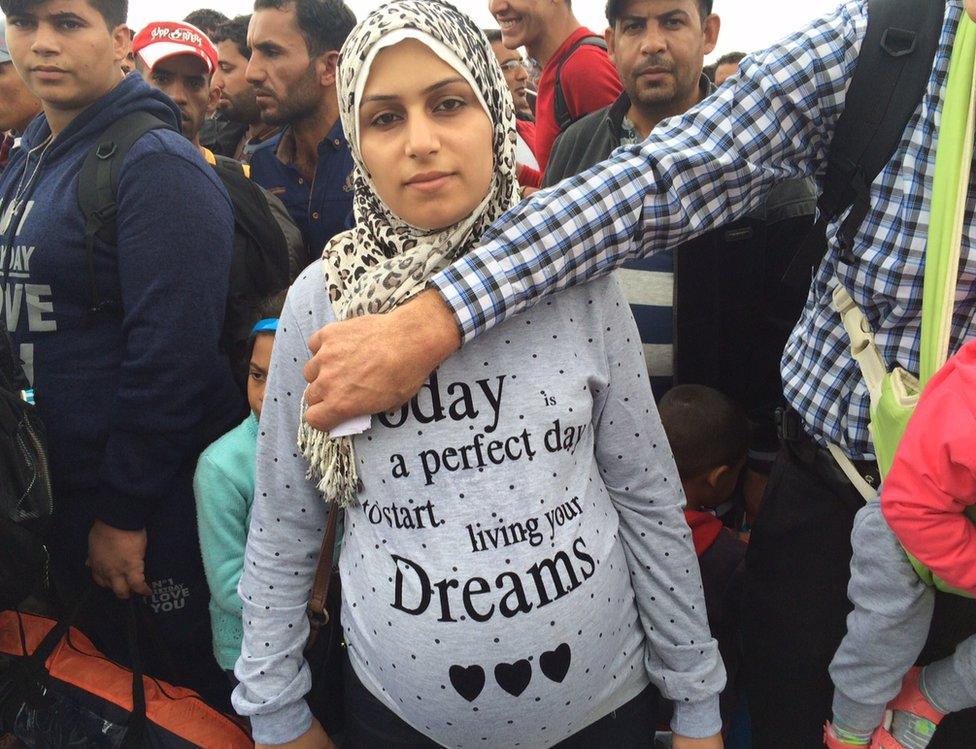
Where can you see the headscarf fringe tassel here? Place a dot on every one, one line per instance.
(331, 463)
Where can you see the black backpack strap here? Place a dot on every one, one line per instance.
(98, 186)
(889, 82)
(564, 117)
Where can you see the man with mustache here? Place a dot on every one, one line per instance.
(294, 50)
(238, 102)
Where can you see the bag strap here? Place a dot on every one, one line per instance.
(950, 188)
(564, 117)
(136, 729)
(888, 84)
(863, 348)
(98, 187)
(318, 616)
(36, 662)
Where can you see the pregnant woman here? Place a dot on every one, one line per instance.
(516, 569)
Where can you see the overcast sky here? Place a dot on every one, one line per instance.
(747, 25)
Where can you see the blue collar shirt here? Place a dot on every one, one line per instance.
(321, 208)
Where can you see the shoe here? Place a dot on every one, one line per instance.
(911, 700)
(911, 703)
(916, 718)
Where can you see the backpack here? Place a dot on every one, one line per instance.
(264, 260)
(26, 501)
(564, 117)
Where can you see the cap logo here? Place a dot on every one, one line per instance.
(177, 35)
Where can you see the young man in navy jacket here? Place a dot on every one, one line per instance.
(129, 393)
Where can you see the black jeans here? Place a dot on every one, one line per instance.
(372, 725)
(795, 606)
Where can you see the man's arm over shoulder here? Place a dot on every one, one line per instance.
(175, 236)
(700, 170)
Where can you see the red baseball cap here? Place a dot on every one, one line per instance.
(161, 40)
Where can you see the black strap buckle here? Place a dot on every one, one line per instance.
(789, 425)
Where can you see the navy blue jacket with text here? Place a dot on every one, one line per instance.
(129, 397)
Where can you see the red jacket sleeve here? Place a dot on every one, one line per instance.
(933, 478)
(528, 177)
(589, 81)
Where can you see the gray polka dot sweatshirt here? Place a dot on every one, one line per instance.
(518, 565)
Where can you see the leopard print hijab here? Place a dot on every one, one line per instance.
(385, 261)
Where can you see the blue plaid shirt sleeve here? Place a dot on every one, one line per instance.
(699, 170)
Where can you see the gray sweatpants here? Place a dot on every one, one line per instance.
(886, 632)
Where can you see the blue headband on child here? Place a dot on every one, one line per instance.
(268, 325)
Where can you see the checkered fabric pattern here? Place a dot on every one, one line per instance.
(713, 165)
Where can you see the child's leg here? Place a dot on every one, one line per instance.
(886, 630)
(950, 684)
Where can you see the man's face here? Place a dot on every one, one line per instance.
(971, 8)
(659, 48)
(65, 53)
(17, 104)
(523, 22)
(237, 99)
(289, 85)
(516, 76)
(184, 79)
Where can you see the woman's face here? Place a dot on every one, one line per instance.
(424, 136)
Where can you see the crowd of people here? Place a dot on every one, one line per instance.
(479, 292)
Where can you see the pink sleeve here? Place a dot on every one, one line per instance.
(933, 481)
(589, 81)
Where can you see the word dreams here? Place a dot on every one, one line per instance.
(511, 594)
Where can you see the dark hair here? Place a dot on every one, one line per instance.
(234, 30)
(273, 305)
(324, 24)
(113, 12)
(494, 35)
(616, 8)
(705, 428)
(206, 19)
(730, 58)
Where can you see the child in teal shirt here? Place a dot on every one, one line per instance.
(224, 489)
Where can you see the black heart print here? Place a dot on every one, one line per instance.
(555, 663)
(468, 681)
(513, 677)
